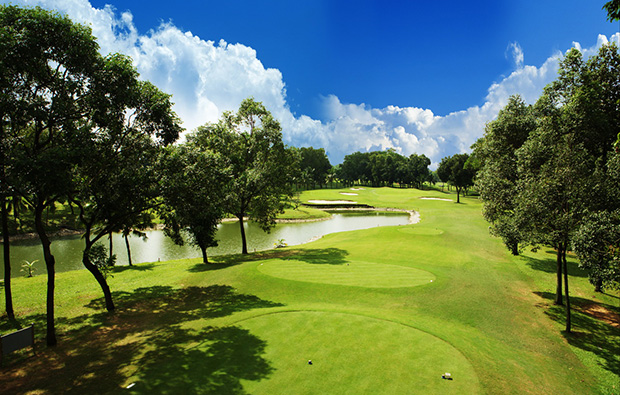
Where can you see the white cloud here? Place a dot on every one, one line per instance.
(207, 78)
(516, 53)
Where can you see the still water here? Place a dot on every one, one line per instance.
(68, 249)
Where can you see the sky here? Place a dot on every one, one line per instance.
(417, 76)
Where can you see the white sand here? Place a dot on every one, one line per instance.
(432, 198)
(331, 201)
(349, 194)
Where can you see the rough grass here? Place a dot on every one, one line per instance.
(232, 327)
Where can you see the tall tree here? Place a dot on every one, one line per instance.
(115, 179)
(193, 187)
(452, 169)
(315, 163)
(260, 166)
(562, 174)
(597, 245)
(417, 168)
(355, 168)
(48, 65)
(496, 179)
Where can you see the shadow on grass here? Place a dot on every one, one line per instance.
(590, 333)
(549, 265)
(332, 256)
(219, 262)
(321, 256)
(152, 338)
(141, 267)
(215, 365)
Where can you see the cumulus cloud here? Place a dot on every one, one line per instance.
(207, 78)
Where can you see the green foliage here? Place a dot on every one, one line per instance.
(259, 166)
(280, 243)
(385, 168)
(452, 170)
(597, 244)
(496, 179)
(547, 169)
(28, 268)
(193, 180)
(83, 128)
(613, 10)
(314, 165)
(99, 257)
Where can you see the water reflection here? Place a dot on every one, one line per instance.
(68, 249)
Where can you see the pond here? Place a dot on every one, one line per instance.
(68, 249)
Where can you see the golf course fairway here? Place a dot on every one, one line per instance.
(385, 310)
(355, 273)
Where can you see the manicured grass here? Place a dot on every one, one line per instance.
(346, 272)
(355, 354)
(250, 324)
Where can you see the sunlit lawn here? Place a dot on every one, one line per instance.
(384, 310)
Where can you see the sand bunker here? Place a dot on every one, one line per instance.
(357, 189)
(331, 201)
(432, 198)
(348, 193)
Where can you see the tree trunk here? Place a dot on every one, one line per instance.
(244, 245)
(205, 259)
(7, 261)
(111, 244)
(598, 286)
(128, 249)
(109, 304)
(558, 288)
(458, 195)
(568, 318)
(514, 249)
(50, 263)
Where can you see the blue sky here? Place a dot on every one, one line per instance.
(417, 76)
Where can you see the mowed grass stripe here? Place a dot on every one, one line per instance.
(351, 273)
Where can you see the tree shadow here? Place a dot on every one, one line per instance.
(549, 265)
(590, 333)
(215, 365)
(154, 338)
(321, 256)
(140, 267)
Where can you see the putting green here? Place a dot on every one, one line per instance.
(352, 273)
(354, 354)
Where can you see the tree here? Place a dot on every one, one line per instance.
(193, 183)
(613, 10)
(115, 181)
(597, 245)
(48, 65)
(561, 166)
(315, 163)
(355, 168)
(497, 177)
(260, 166)
(417, 168)
(452, 170)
